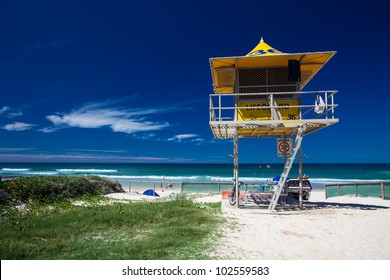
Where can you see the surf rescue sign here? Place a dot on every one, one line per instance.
(260, 110)
(284, 146)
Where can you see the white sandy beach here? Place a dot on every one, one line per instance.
(342, 228)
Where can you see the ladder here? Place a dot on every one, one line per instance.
(287, 168)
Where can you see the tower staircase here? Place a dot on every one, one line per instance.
(287, 168)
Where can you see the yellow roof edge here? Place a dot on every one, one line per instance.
(325, 62)
(277, 54)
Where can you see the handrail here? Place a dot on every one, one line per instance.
(217, 112)
(376, 183)
(269, 93)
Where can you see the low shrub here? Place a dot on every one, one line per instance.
(54, 188)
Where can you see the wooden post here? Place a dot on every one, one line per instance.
(383, 190)
(356, 190)
(181, 184)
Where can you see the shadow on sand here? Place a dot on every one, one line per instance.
(340, 205)
(307, 205)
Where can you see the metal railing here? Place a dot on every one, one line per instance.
(359, 189)
(139, 186)
(224, 106)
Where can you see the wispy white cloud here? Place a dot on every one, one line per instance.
(48, 129)
(198, 140)
(15, 149)
(14, 114)
(97, 115)
(146, 136)
(4, 109)
(44, 157)
(18, 126)
(98, 151)
(181, 137)
(10, 112)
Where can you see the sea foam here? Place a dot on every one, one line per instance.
(87, 170)
(15, 169)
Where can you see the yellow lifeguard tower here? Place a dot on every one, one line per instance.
(260, 95)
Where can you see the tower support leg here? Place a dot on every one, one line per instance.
(300, 178)
(236, 183)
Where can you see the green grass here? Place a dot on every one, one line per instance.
(176, 229)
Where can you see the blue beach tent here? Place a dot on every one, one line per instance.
(277, 178)
(150, 192)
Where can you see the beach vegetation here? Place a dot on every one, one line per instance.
(48, 189)
(97, 230)
(67, 218)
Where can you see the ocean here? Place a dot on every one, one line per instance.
(319, 174)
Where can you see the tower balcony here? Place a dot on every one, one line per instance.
(271, 114)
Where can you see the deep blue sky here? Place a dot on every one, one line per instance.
(128, 81)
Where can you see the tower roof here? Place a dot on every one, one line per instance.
(263, 55)
(263, 49)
